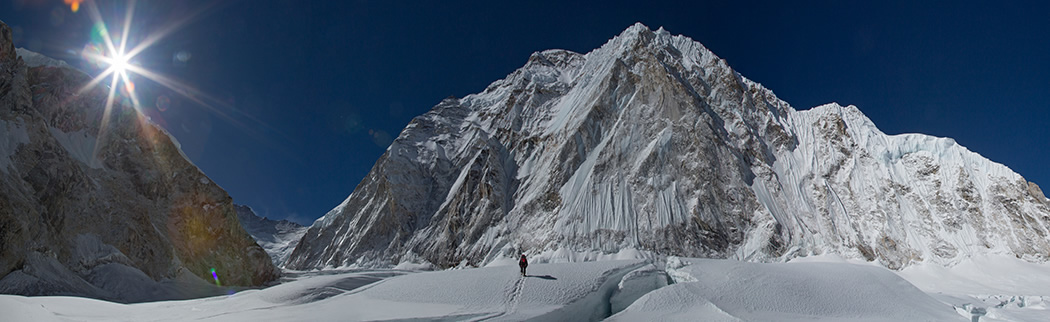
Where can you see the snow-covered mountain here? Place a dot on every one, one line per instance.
(652, 144)
(277, 237)
(113, 212)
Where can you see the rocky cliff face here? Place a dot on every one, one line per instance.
(653, 143)
(90, 210)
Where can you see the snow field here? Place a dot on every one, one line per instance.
(991, 287)
(299, 300)
(551, 292)
(820, 288)
(569, 291)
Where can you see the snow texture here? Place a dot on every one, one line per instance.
(728, 290)
(988, 288)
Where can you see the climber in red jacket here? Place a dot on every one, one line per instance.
(523, 263)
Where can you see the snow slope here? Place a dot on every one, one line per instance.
(728, 290)
(653, 143)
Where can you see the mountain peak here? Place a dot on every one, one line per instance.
(636, 36)
(651, 144)
(635, 30)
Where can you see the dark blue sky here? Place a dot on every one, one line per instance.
(323, 86)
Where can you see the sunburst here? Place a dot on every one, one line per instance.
(118, 59)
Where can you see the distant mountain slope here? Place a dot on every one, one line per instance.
(113, 212)
(278, 238)
(653, 143)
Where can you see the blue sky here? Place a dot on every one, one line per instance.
(315, 90)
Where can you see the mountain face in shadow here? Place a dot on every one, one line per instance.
(103, 203)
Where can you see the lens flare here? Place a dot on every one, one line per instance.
(116, 56)
(73, 4)
(118, 61)
(163, 102)
(216, 277)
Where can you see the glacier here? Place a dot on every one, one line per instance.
(652, 145)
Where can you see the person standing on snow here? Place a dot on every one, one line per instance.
(523, 263)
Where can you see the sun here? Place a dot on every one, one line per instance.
(115, 53)
(119, 62)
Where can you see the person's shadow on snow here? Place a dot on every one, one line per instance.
(546, 277)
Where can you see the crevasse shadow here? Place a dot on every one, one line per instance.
(546, 277)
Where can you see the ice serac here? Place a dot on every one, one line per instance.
(653, 143)
(93, 210)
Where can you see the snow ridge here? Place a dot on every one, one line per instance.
(34, 59)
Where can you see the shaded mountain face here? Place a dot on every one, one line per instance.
(277, 237)
(653, 143)
(94, 210)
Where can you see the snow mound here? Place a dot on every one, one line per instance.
(726, 290)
